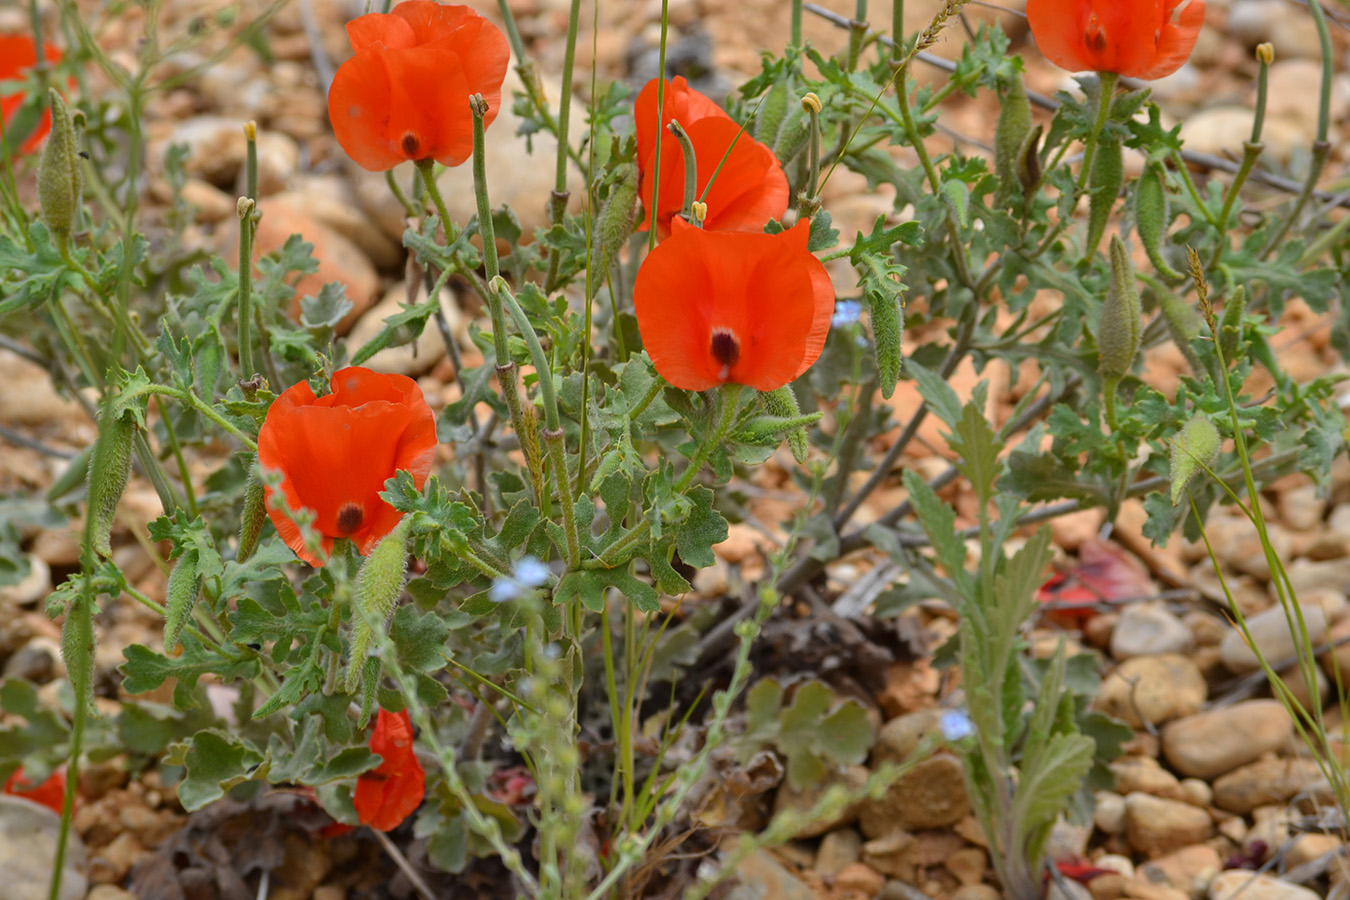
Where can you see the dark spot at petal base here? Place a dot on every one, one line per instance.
(725, 348)
(410, 145)
(349, 519)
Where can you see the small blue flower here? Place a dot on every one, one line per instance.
(846, 312)
(528, 573)
(955, 725)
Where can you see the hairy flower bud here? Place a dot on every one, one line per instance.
(772, 109)
(782, 405)
(253, 516)
(1010, 136)
(616, 220)
(109, 471)
(1104, 183)
(378, 586)
(1151, 217)
(1194, 449)
(1118, 326)
(1185, 324)
(792, 135)
(1230, 325)
(60, 178)
(184, 585)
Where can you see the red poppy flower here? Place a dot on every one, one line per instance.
(750, 309)
(750, 189)
(405, 94)
(392, 791)
(1144, 39)
(336, 452)
(51, 793)
(17, 55)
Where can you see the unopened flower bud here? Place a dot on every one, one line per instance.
(1118, 327)
(60, 178)
(811, 102)
(1265, 53)
(184, 585)
(1010, 135)
(619, 214)
(1194, 449)
(253, 516)
(772, 109)
(782, 404)
(1230, 325)
(1104, 182)
(109, 471)
(792, 135)
(1151, 217)
(1185, 324)
(378, 586)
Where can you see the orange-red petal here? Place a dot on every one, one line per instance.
(680, 102)
(1145, 39)
(405, 94)
(336, 452)
(761, 293)
(17, 55)
(749, 189)
(389, 793)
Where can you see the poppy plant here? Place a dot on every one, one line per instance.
(18, 54)
(405, 94)
(749, 190)
(392, 791)
(335, 453)
(1144, 39)
(751, 309)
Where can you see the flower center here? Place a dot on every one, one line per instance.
(1095, 35)
(726, 349)
(349, 519)
(410, 145)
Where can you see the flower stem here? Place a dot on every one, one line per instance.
(245, 311)
(557, 454)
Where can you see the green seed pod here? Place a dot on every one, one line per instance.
(109, 471)
(772, 111)
(1151, 217)
(782, 407)
(378, 586)
(60, 178)
(1118, 324)
(792, 134)
(1194, 449)
(253, 516)
(619, 215)
(1104, 183)
(1230, 325)
(184, 585)
(1010, 136)
(1185, 324)
(888, 330)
